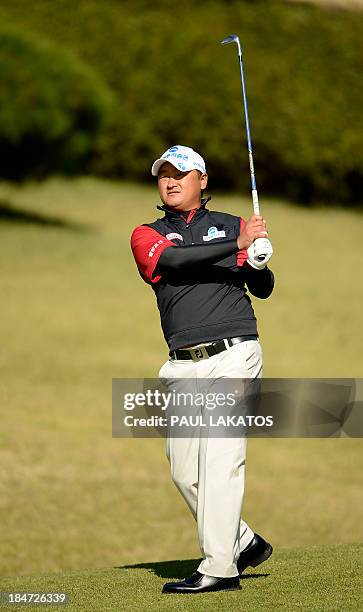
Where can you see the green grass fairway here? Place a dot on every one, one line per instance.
(314, 579)
(74, 314)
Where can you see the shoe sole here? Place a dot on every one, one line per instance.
(236, 588)
(263, 557)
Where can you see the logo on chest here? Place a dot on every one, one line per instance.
(174, 236)
(213, 232)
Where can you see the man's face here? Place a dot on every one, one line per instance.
(180, 190)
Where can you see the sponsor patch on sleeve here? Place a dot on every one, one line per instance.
(154, 247)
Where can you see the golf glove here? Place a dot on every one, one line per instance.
(260, 246)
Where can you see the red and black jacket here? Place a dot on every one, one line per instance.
(199, 302)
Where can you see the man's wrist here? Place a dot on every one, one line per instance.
(243, 246)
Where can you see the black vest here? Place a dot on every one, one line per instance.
(207, 303)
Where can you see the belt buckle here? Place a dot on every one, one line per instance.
(199, 353)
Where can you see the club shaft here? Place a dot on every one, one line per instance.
(255, 202)
(256, 207)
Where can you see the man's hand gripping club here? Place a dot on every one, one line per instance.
(254, 239)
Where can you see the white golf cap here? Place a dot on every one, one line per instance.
(183, 158)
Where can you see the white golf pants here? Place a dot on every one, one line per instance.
(209, 471)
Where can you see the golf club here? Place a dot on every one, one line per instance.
(256, 206)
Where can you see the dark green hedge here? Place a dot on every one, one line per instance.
(175, 84)
(52, 108)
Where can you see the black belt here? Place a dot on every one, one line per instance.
(204, 352)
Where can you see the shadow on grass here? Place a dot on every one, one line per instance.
(177, 569)
(11, 213)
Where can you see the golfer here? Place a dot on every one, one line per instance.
(202, 266)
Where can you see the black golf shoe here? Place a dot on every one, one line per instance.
(256, 552)
(201, 583)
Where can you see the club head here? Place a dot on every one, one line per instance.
(229, 39)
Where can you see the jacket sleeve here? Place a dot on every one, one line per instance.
(260, 283)
(174, 260)
(241, 254)
(147, 245)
